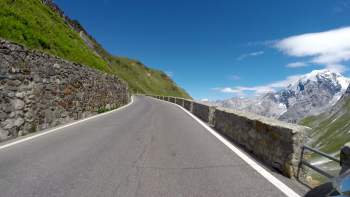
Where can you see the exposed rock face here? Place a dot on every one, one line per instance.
(43, 90)
(312, 94)
(75, 25)
(346, 94)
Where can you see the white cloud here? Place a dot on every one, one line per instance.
(234, 77)
(297, 64)
(251, 54)
(341, 6)
(169, 73)
(284, 83)
(336, 68)
(242, 56)
(256, 53)
(258, 90)
(265, 43)
(328, 48)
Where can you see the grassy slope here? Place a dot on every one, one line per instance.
(136, 74)
(331, 131)
(34, 25)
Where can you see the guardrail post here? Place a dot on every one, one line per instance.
(345, 158)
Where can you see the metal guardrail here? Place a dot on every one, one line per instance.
(315, 168)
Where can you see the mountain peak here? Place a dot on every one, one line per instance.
(317, 74)
(320, 76)
(311, 94)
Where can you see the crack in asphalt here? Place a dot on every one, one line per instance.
(132, 172)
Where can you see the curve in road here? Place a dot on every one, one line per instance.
(149, 148)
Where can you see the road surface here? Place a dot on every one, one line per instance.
(148, 148)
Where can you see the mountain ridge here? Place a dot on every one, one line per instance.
(311, 94)
(42, 25)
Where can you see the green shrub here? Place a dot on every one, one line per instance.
(32, 129)
(113, 108)
(102, 110)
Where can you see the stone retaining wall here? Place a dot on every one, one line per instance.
(180, 101)
(40, 90)
(203, 111)
(345, 158)
(188, 105)
(278, 143)
(172, 99)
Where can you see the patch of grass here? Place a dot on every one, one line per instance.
(36, 26)
(102, 110)
(113, 108)
(331, 132)
(306, 121)
(157, 82)
(32, 129)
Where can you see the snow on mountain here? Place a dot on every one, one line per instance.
(311, 94)
(205, 100)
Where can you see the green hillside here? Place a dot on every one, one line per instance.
(36, 26)
(331, 132)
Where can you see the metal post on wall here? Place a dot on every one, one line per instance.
(345, 158)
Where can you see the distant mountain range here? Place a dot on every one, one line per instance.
(311, 94)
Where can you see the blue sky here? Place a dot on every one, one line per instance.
(224, 48)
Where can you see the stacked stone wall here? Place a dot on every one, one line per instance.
(172, 99)
(43, 91)
(278, 143)
(180, 101)
(188, 105)
(203, 111)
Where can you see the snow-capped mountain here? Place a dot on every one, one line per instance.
(311, 94)
(205, 100)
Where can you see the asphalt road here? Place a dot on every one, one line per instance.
(149, 148)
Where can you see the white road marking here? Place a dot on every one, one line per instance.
(281, 186)
(58, 128)
(284, 188)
